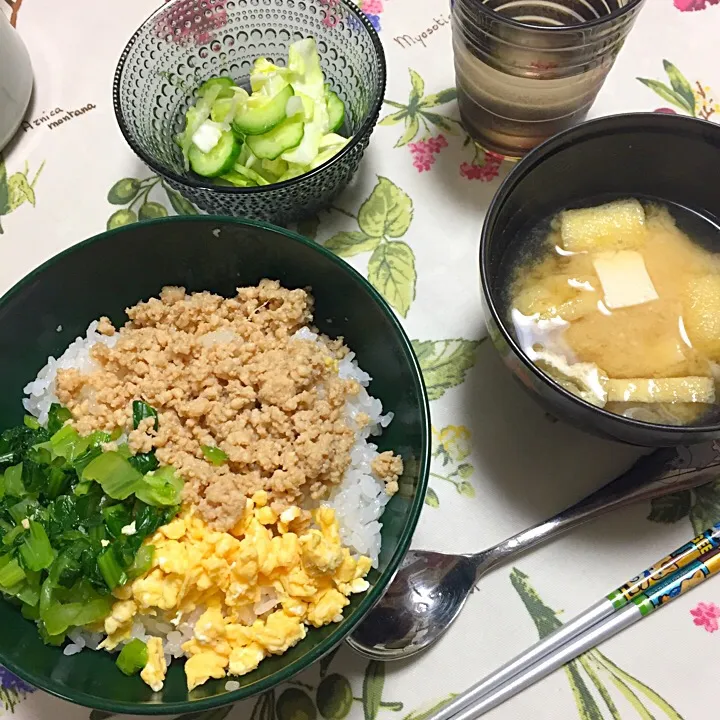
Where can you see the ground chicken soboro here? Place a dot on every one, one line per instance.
(227, 373)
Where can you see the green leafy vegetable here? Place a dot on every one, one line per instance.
(213, 454)
(133, 657)
(140, 411)
(160, 488)
(63, 506)
(57, 417)
(118, 478)
(36, 551)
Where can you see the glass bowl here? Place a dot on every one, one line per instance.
(187, 41)
(40, 317)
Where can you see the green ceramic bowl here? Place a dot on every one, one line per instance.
(45, 311)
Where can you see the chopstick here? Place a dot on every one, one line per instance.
(662, 582)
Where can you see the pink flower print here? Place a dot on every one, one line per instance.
(436, 144)
(372, 7)
(665, 111)
(184, 22)
(423, 156)
(332, 18)
(489, 170)
(691, 5)
(706, 615)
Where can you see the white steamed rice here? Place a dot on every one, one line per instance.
(358, 501)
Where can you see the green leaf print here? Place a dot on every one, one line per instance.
(334, 697)
(415, 114)
(394, 118)
(124, 191)
(444, 96)
(293, 704)
(431, 498)
(701, 506)
(324, 664)
(595, 666)
(373, 684)
(388, 211)
(466, 489)
(16, 190)
(391, 270)
(670, 508)
(680, 85)
(309, 227)
(4, 191)
(151, 210)
(347, 244)
(180, 204)
(120, 218)
(668, 94)
(444, 363)
(418, 88)
(410, 131)
(705, 511)
(425, 712)
(19, 191)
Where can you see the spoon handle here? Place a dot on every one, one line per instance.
(664, 471)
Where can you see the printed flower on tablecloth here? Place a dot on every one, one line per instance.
(16, 189)
(691, 5)
(696, 99)
(451, 448)
(424, 151)
(372, 10)
(12, 689)
(182, 24)
(706, 615)
(420, 114)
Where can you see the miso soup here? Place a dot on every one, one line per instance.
(620, 304)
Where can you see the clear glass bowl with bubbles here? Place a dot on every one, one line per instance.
(187, 41)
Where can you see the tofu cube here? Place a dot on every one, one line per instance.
(701, 314)
(618, 225)
(624, 279)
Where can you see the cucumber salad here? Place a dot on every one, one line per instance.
(285, 127)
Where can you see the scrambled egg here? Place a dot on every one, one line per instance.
(258, 587)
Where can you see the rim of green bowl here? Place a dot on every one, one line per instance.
(345, 627)
(365, 129)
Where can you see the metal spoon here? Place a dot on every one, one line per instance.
(430, 588)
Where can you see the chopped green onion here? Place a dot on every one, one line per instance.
(116, 434)
(111, 571)
(58, 618)
(143, 561)
(57, 417)
(118, 478)
(133, 657)
(31, 422)
(13, 481)
(36, 551)
(140, 411)
(160, 488)
(214, 454)
(94, 611)
(11, 574)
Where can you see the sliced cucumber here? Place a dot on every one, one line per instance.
(336, 111)
(261, 115)
(284, 137)
(250, 174)
(224, 84)
(219, 160)
(237, 180)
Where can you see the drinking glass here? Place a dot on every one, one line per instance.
(526, 69)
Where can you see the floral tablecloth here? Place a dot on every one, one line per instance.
(499, 464)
